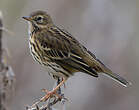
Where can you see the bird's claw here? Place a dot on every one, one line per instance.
(35, 106)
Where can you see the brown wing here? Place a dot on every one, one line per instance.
(87, 57)
(63, 49)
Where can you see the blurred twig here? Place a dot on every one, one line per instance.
(7, 31)
(50, 102)
(1, 25)
(7, 77)
(45, 107)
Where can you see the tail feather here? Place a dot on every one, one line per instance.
(114, 76)
(119, 79)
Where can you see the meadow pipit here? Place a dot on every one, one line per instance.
(61, 53)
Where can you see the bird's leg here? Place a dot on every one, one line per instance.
(58, 82)
(50, 94)
(59, 91)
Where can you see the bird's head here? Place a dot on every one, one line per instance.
(39, 19)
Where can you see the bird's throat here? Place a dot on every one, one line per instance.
(32, 28)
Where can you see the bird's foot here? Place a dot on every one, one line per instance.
(51, 101)
(55, 94)
(50, 94)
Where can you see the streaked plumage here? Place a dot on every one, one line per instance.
(60, 52)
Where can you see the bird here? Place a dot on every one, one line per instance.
(61, 53)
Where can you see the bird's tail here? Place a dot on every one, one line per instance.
(118, 78)
(114, 76)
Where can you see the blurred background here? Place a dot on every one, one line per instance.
(108, 28)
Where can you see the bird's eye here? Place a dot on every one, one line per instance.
(39, 19)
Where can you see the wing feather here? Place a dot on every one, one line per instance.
(62, 48)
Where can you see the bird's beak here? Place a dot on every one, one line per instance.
(26, 18)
